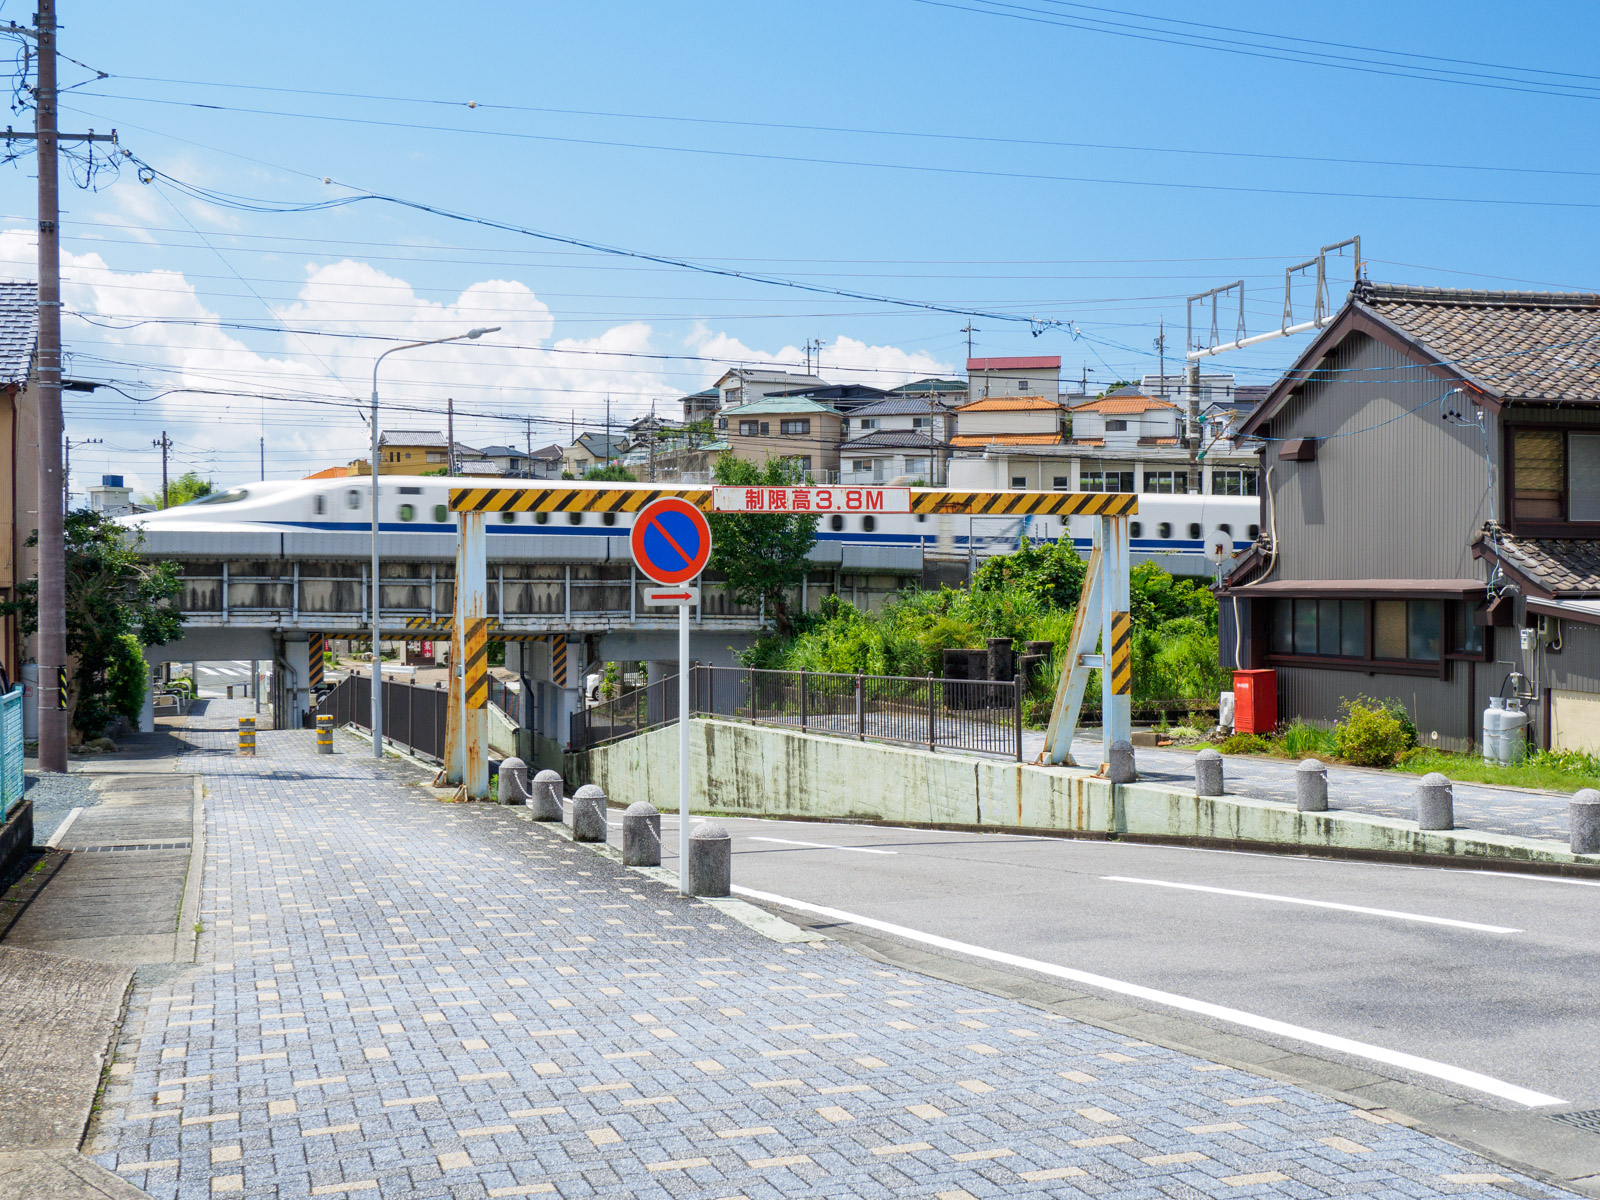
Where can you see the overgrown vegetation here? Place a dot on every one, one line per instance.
(763, 554)
(184, 488)
(610, 473)
(117, 603)
(1029, 596)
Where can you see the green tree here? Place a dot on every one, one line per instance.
(184, 488)
(763, 554)
(116, 604)
(1049, 572)
(610, 473)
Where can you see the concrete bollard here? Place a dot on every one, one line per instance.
(513, 781)
(324, 733)
(1208, 773)
(546, 799)
(588, 814)
(1585, 817)
(1311, 786)
(710, 860)
(1435, 803)
(247, 735)
(641, 835)
(1121, 769)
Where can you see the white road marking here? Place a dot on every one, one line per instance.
(61, 829)
(1541, 878)
(819, 845)
(1355, 908)
(1328, 1041)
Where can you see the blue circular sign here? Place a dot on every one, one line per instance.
(671, 541)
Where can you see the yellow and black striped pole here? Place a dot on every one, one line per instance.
(1121, 654)
(247, 735)
(324, 733)
(317, 651)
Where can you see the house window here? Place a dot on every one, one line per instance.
(920, 422)
(799, 426)
(1402, 631)
(861, 464)
(1022, 387)
(749, 428)
(1233, 482)
(1166, 483)
(1101, 478)
(1539, 468)
(803, 461)
(869, 422)
(436, 456)
(1116, 427)
(766, 428)
(1061, 483)
(916, 466)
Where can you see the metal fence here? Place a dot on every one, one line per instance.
(508, 700)
(12, 784)
(413, 716)
(939, 714)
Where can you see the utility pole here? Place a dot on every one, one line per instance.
(164, 444)
(50, 642)
(969, 331)
(1161, 350)
(66, 468)
(450, 436)
(652, 436)
(527, 439)
(608, 429)
(263, 456)
(1191, 372)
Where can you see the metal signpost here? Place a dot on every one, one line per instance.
(671, 543)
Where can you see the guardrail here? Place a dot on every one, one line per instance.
(940, 714)
(413, 716)
(12, 783)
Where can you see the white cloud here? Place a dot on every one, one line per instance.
(154, 330)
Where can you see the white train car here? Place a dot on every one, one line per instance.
(1171, 531)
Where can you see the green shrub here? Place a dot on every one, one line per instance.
(126, 679)
(1301, 740)
(1246, 743)
(1372, 734)
(1572, 762)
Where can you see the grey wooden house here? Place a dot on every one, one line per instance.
(1431, 491)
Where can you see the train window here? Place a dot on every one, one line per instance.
(540, 518)
(441, 514)
(1254, 532)
(408, 512)
(410, 491)
(608, 518)
(836, 523)
(1164, 530)
(352, 498)
(575, 518)
(1194, 529)
(1135, 529)
(868, 524)
(319, 504)
(508, 518)
(1227, 530)
(921, 517)
(228, 497)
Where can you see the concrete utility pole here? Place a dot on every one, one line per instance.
(66, 468)
(263, 456)
(163, 444)
(1191, 382)
(527, 446)
(450, 435)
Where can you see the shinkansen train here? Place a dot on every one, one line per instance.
(1172, 531)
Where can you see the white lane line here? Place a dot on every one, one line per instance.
(1539, 878)
(1315, 1037)
(1355, 908)
(820, 845)
(61, 829)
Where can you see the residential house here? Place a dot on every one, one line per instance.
(19, 451)
(1433, 500)
(413, 452)
(592, 450)
(902, 437)
(1039, 375)
(545, 463)
(504, 460)
(742, 385)
(997, 440)
(842, 397)
(795, 428)
(701, 406)
(111, 497)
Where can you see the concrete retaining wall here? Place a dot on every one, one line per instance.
(762, 771)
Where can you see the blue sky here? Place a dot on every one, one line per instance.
(609, 121)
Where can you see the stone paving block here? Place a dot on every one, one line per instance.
(549, 1020)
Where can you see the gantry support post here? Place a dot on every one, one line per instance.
(1102, 616)
(467, 725)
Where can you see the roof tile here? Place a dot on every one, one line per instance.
(1008, 404)
(19, 330)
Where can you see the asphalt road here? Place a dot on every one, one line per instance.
(1487, 973)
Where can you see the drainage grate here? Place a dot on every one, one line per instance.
(134, 846)
(1588, 1119)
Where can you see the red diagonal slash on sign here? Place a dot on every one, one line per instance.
(662, 530)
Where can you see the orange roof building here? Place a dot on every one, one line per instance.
(331, 473)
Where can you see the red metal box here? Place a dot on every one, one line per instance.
(1255, 701)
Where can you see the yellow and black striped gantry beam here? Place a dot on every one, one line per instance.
(599, 497)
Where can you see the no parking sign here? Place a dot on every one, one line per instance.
(671, 541)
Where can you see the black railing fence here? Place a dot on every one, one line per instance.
(940, 714)
(413, 716)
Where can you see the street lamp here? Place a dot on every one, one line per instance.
(377, 631)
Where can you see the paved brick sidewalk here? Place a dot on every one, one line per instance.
(401, 998)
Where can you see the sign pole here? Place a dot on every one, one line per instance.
(683, 749)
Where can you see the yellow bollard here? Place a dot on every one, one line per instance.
(247, 735)
(324, 733)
